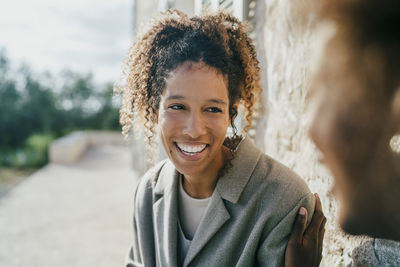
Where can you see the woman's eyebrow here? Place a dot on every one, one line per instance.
(175, 97)
(217, 101)
(212, 100)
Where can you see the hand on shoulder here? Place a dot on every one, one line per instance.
(304, 247)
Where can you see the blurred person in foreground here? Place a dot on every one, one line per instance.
(357, 87)
(217, 200)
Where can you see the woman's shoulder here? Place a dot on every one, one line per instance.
(265, 171)
(255, 175)
(285, 179)
(279, 178)
(280, 187)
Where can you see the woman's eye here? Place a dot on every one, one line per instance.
(176, 107)
(214, 110)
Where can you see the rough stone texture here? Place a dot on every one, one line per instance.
(387, 251)
(76, 215)
(379, 252)
(290, 39)
(364, 255)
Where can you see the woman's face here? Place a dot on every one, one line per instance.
(193, 118)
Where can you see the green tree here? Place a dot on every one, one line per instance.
(10, 134)
(38, 107)
(107, 116)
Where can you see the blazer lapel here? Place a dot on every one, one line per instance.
(216, 215)
(166, 216)
(229, 187)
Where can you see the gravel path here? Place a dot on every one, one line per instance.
(77, 215)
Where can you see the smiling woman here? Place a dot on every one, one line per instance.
(216, 200)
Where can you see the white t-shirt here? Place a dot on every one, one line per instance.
(191, 211)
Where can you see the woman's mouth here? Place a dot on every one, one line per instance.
(190, 149)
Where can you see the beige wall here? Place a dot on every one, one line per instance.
(144, 11)
(186, 6)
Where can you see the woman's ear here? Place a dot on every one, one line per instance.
(235, 106)
(233, 112)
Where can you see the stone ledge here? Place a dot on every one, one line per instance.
(377, 252)
(70, 148)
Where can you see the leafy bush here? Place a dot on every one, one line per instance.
(33, 154)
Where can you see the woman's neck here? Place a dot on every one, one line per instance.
(199, 188)
(203, 185)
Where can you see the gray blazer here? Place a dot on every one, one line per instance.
(247, 223)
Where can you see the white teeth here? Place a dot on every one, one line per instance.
(191, 148)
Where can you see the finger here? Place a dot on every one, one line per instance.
(299, 226)
(321, 232)
(321, 235)
(318, 205)
(321, 239)
(320, 244)
(322, 228)
(317, 218)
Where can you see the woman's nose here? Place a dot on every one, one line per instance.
(195, 126)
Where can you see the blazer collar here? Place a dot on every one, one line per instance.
(166, 216)
(231, 185)
(215, 217)
(166, 179)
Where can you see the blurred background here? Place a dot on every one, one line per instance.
(58, 63)
(65, 173)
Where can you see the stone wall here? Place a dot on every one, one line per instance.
(288, 40)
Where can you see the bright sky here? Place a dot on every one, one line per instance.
(81, 35)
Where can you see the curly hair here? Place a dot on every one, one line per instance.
(218, 40)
